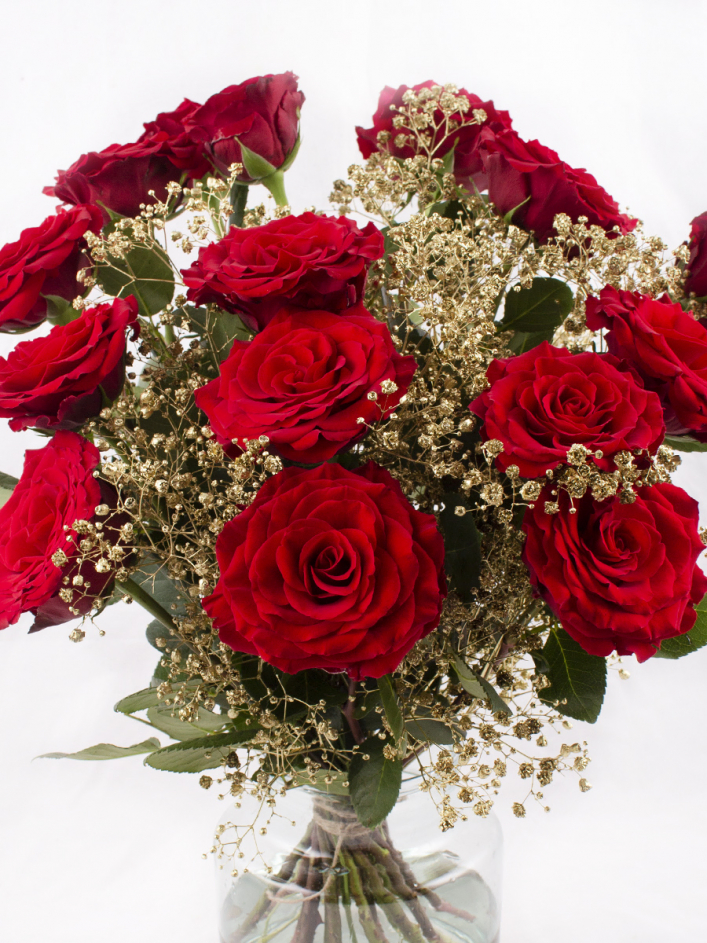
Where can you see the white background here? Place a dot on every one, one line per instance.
(111, 851)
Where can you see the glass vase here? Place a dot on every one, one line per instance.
(313, 874)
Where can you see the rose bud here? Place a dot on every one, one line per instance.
(329, 568)
(44, 261)
(61, 380)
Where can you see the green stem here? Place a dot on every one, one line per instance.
(130, 588)
(239, 199)
(276, 185)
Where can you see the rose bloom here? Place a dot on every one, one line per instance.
(261, 113)
(544, 401)
(60, 380)
(121, 176)
(310, 261)
(464, 140)
(44, 261)
(696, 281)
(619, 577)
(329, 568)
(665, 345)
(304, 382)
(57, 487)
(528, 173)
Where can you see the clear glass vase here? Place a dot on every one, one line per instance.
(318, 876)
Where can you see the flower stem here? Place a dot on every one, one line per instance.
(276, 185)
(130, 588)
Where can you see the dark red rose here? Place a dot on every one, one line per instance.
(174, 132)
(61, 380)
(544, 401)
(57, 488)
(304, 382)
(665, 345)
(310, 261)
(464, 139)
(262, 114)
(329, 568)
(619, 577)
(696, 281)
(44, 261)
(528, 173)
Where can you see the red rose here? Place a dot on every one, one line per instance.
(619, 577)
(262, 114)
(57, 488)
(310, 261)
(174, 132)
(44, 261)
(665, 345)
(546, 400)
(60, 380)
(526, 172)
(329, 568)
(304, 382)
(464, 140)
(696, 281)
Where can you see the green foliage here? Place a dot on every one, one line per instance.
(685, 443)
(462, 546)
(145, 272)
(206, 722)
(540, 308)
(690, 642)
(577, 679)
(192, 756)
(429, 730)
(105, 751)
(219, 328)
(392, 709)
(374, 784)
(525, 340)
(7, 486)
(60, 311)
(477, 686)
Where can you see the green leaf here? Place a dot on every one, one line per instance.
(524, 340)
(479, 687)
(577, 679)
(508, 217)
(689, 642)
(139, 701)
(392, 708)
(221, 328)
(462, 546)
(205, 723)
(105, 751)
(255, 166)
(542, 307)
(685, 443)
(191, 756)
(374, 784)
(312, 685)
(145, 273)
(429, 730)
(7, 486)
(59, 310)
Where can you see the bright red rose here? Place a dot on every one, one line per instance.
(310, 261)
(60, 380)
(619, 577)
(304, 382)
(526, 172)
(464, 140)
(57, 488)
(44, 261)
(262, 114)
(544, 401)
(665, 345)
(696, 281)
(329, 568)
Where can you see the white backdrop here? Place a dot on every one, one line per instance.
(112, 851)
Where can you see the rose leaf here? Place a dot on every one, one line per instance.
(462, 546)
(542, 307)
(690, 641)
(577, 679)
(105, 751)
(374, 783)
(685, 443)
(145, 273)
(192, 756)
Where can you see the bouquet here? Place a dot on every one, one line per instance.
(392, 480)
